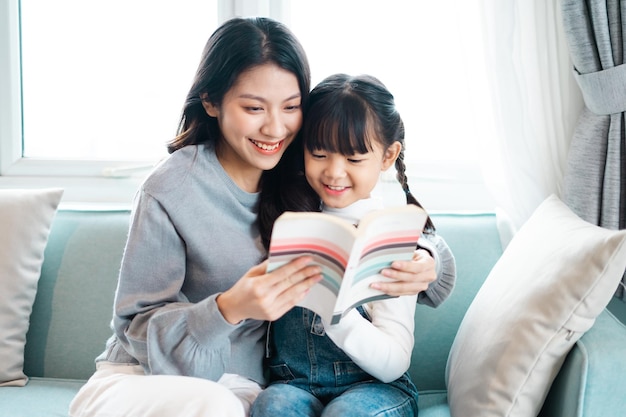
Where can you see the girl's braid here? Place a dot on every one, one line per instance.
(410, 198)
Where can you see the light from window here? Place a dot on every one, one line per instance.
(423, 51)
(107, 79)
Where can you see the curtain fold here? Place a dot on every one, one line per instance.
(595, 177)
(535, 101)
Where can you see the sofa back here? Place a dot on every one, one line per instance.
(74, 303)
(475, 243)
(73, 308)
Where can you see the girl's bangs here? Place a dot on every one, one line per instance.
(342, 129)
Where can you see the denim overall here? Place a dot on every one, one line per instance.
(307, 371)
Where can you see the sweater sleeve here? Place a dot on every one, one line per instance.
(445, 267)
(153, 320)
(391, 328)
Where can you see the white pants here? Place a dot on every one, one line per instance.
(116, 390)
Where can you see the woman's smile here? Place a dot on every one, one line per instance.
(267, 147)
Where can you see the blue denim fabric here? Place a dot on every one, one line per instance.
(311, 376)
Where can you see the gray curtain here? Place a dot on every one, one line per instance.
(595, 179)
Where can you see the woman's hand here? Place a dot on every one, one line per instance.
(267, 296)
(410, 277)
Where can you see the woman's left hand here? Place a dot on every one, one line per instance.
(410, 277)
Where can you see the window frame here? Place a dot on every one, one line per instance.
(107, 182)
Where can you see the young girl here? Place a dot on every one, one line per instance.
(351, 133)
(193, 296)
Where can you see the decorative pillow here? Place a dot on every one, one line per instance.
(555, 277)
(26, 217)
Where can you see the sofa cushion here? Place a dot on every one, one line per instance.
(74, 305)
(433, 403)
(26, 217)
(594, 372)
(41, 397)
(467, 234)
(555, 277)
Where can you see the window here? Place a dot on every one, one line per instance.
(415, 49)
(103, 82)
(429, 55)
(107, 79)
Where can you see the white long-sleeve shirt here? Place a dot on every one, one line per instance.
(392, 320)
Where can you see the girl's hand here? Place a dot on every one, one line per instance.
(267, 296)
(410, 277)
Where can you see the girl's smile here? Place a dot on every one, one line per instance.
(335, 189)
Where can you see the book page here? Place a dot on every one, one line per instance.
(385, 236)
(327, 239)
(350, 258)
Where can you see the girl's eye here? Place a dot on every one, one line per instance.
(357, 158)
(317, 155)
(253, 108)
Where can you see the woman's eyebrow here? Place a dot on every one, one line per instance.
(263, 99)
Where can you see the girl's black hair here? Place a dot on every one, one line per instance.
(342, 113)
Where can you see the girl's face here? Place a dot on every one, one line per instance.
(259, 117)
(341, 180)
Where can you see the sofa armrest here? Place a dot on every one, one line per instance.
(592, 380)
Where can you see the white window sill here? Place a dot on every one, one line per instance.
(439, 186)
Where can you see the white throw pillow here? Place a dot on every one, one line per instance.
(25, 219)
(555, 277)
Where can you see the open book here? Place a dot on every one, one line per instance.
(351, 257)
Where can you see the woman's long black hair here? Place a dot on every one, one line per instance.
(237, 46)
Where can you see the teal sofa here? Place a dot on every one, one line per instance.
(71, 315)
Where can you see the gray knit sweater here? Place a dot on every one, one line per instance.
(192, 236)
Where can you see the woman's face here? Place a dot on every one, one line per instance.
(259, 117)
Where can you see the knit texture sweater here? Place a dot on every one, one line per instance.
(192, 236)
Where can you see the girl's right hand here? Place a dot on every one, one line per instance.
(267, 296)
